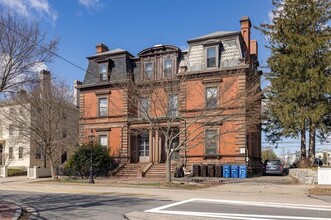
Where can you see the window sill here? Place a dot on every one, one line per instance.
(212, 157)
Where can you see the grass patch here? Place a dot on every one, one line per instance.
(320, 191)
(16, 172)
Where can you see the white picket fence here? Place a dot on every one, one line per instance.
(324, 176)
(37, 172)
(3, 171)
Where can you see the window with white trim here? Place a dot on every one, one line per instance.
(211, 57)
(103, 107)
(167, 67)
(172, 105)
(144, 105)
(20, 153)
(211, 141)
(103, 72)
(149, 70)
(211, 97)
(103, 141)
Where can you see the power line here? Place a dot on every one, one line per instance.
(44, 48)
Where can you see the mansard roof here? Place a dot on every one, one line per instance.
(110, 52)
(213, 35)
(158, 49)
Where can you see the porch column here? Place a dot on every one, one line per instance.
(157, 158)
(150, 145)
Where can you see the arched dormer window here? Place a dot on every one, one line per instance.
(212, 53)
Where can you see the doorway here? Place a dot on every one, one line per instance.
(143, 144)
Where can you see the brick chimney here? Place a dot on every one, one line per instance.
(246, 25)
(45, 80)
(101, 48)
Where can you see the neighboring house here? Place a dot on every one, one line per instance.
(18, 145)
(325, 156)
(14, 148)
(291, 159)
(211, 62)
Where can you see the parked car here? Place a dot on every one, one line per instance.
(273, 167)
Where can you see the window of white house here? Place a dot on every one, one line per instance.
(144, 107)
(211, 97)
(167, 68)
(211, 141)
(11, 153)
(20, 152)
(149, 70)
(11, 129)
(103, 141)
(211, 57)
(172, 105)
(20, 130)
(103, 107)
(38, 153)
(103, 76)
(64, 133)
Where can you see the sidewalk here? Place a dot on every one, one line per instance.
(9, 211)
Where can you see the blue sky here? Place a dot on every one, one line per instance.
(134, 25)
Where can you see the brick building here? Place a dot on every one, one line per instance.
(141, 107)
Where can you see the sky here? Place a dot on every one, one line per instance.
(134, 25)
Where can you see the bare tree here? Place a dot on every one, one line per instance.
(45, 114)
(181, 110)
(23, 49)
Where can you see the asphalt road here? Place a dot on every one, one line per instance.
(80, 206)
(254, 198)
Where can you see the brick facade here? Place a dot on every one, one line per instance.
(217, 67)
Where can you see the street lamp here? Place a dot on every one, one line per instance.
(91, 138)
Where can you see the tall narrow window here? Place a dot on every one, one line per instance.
(38, 151)
(103, 141)
(64, 133)
(211, 141)
(103, 107)
(211, 97)
(20, 153)
(167, 68)
(144, 107)
(172, 105)
(11, 129)
(149, 70)
(11, 153)
(20, 130)
(211, 57)
(103, 76)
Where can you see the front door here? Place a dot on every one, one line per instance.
(144, 148)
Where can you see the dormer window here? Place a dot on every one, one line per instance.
(167, 68)
(211, 57)
(149, 70)
(103, 72)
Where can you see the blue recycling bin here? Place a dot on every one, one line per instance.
(226, 171)
(234, 171)
(243, 171)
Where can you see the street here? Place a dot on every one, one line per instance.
(253, 198)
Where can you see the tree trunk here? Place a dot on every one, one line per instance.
(168, 167)
(51, 165)
(45, 158)
(303, 145)
(312, 135)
